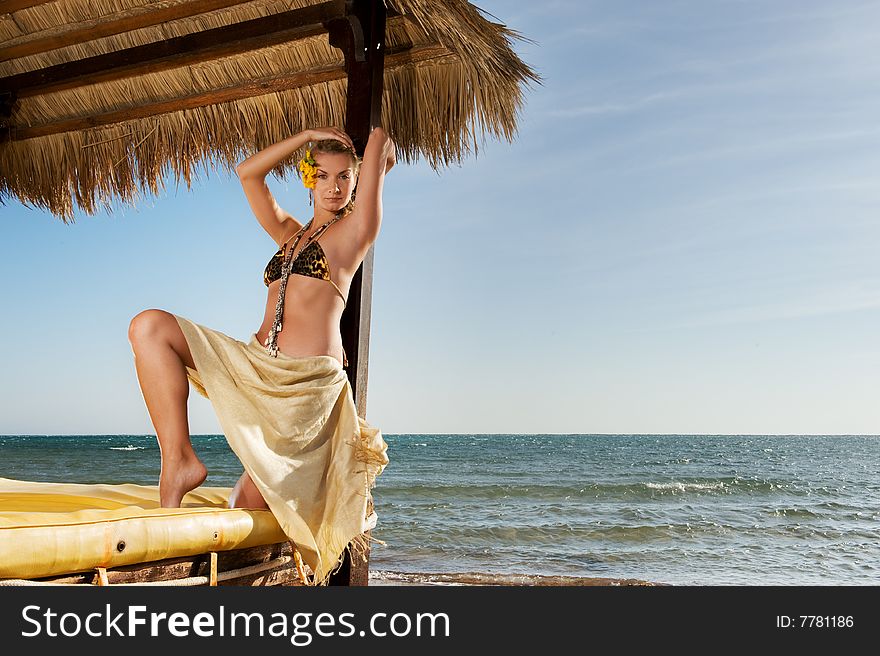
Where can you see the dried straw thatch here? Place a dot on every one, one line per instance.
(449, 73)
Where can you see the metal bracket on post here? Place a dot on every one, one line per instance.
(347, 34)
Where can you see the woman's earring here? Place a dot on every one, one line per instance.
(310, 197)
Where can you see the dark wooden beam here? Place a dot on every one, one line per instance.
(360, 34)
(179, 51)
(97, 28)
(261, 86)
(9, 6)
(7, 102)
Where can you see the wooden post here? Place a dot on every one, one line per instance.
(361, 37)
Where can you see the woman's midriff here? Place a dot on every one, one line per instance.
(310, 322)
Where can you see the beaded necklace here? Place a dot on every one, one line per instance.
(271, 342)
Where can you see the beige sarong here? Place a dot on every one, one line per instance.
(293, 424)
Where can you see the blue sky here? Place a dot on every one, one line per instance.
(681, 239)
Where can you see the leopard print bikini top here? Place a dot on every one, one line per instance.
(310, 261)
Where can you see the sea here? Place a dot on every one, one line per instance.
(685, 510)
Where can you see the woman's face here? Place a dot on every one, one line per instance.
(335, 181)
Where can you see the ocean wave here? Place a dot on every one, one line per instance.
(467, 538)
(414, 492)
(793, 512)
(685, 487)
(127, 448)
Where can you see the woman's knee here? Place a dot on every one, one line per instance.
(147, 325)
(152, 326)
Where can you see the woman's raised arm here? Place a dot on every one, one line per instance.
(378, 159)
(252, 173)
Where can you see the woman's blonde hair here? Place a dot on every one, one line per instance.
(334, 146)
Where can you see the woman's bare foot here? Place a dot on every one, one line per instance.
(179, 477)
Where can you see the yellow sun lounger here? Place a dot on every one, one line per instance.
(49, 529)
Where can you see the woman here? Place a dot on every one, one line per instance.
(283, 399)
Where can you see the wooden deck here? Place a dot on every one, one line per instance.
(264, 565)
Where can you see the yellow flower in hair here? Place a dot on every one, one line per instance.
(308, 167)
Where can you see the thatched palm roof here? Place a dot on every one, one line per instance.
(106, 130)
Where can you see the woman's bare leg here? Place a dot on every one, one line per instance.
(160, 352)
(246, 495)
